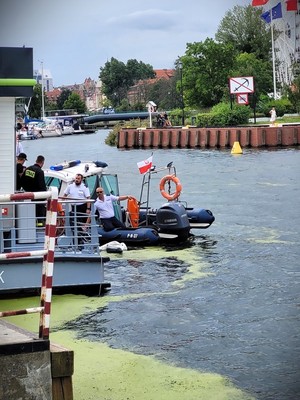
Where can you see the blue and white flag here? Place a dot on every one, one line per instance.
(276, 13)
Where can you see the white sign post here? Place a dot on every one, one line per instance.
(242, 98)
(151, 108)
(241, 85)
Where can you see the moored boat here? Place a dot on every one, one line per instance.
(70, 123)
(173, 221)
(78, 266)
(46, 129)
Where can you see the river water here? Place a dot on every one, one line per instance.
(228, 301)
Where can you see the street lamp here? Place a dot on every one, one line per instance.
(43, 91)
(181, 90)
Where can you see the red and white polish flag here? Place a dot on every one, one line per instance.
(259, 2)
(145, 165)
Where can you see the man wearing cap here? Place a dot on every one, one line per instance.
(21, 158)
(33, 180)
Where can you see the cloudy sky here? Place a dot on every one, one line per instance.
(74, 39)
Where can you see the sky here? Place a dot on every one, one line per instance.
(74, 39)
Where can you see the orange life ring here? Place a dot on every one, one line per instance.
(178, 187)
(133, 210)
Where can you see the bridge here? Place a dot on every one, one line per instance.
(126, 116)
(113, 118)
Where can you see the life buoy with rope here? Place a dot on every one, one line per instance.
(60, 226)
(178, 187)
(133, 210)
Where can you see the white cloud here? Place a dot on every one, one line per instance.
(75, 38)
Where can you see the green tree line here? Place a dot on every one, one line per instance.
(241, 47)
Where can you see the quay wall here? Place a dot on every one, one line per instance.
(33, 368)
(192, 137)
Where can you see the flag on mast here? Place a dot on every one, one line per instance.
(145, 165)
(274, 13)
(291, 5)
(259, 2)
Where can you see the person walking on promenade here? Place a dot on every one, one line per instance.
(33, 180)
(273, 115)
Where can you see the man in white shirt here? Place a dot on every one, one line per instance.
(78, 190)
(19, 147)
(104, 205)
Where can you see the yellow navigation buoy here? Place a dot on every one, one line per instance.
(236, 148)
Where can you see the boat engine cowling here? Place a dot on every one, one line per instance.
(172, 218)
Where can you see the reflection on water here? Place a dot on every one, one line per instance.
(227, 301)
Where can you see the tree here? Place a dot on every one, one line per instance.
(62, 98)
(35, 105)
(163, 92)
(117, 78)
(244, 29)
(248, 65)
(137, 70)
(205, 72)
(74, 102)
(294, 94)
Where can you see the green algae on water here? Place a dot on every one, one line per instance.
(102, 373)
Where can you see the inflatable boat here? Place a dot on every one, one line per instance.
(172, 221)
(130, 236)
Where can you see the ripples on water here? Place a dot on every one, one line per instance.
(241, 317)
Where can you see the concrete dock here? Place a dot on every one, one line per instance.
(33, 368)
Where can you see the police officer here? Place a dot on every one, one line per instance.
(33, 180)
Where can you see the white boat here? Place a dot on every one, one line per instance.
(47, 129)
(71, 123)
(78, 263)
(27, 134)
(67, 130)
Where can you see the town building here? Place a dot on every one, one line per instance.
(44, 78)
(138, 92)
(90, 91)
(285, 17)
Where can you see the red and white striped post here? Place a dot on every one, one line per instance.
(48, 263)
(47, 253)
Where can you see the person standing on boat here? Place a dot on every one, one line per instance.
(20, 168)
(33, 180)
(79, 191)
(104, 206)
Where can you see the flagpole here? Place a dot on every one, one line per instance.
(273, 58)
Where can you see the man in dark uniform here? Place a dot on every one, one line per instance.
(20, 167)
(33, 180)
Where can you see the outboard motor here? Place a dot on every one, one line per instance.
(172, 218)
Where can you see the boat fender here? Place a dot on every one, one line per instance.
(100, 164)
(133, 210)
(178, 187)
(113, 247)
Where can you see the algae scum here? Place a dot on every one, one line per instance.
(200, 310)
(218, 319)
